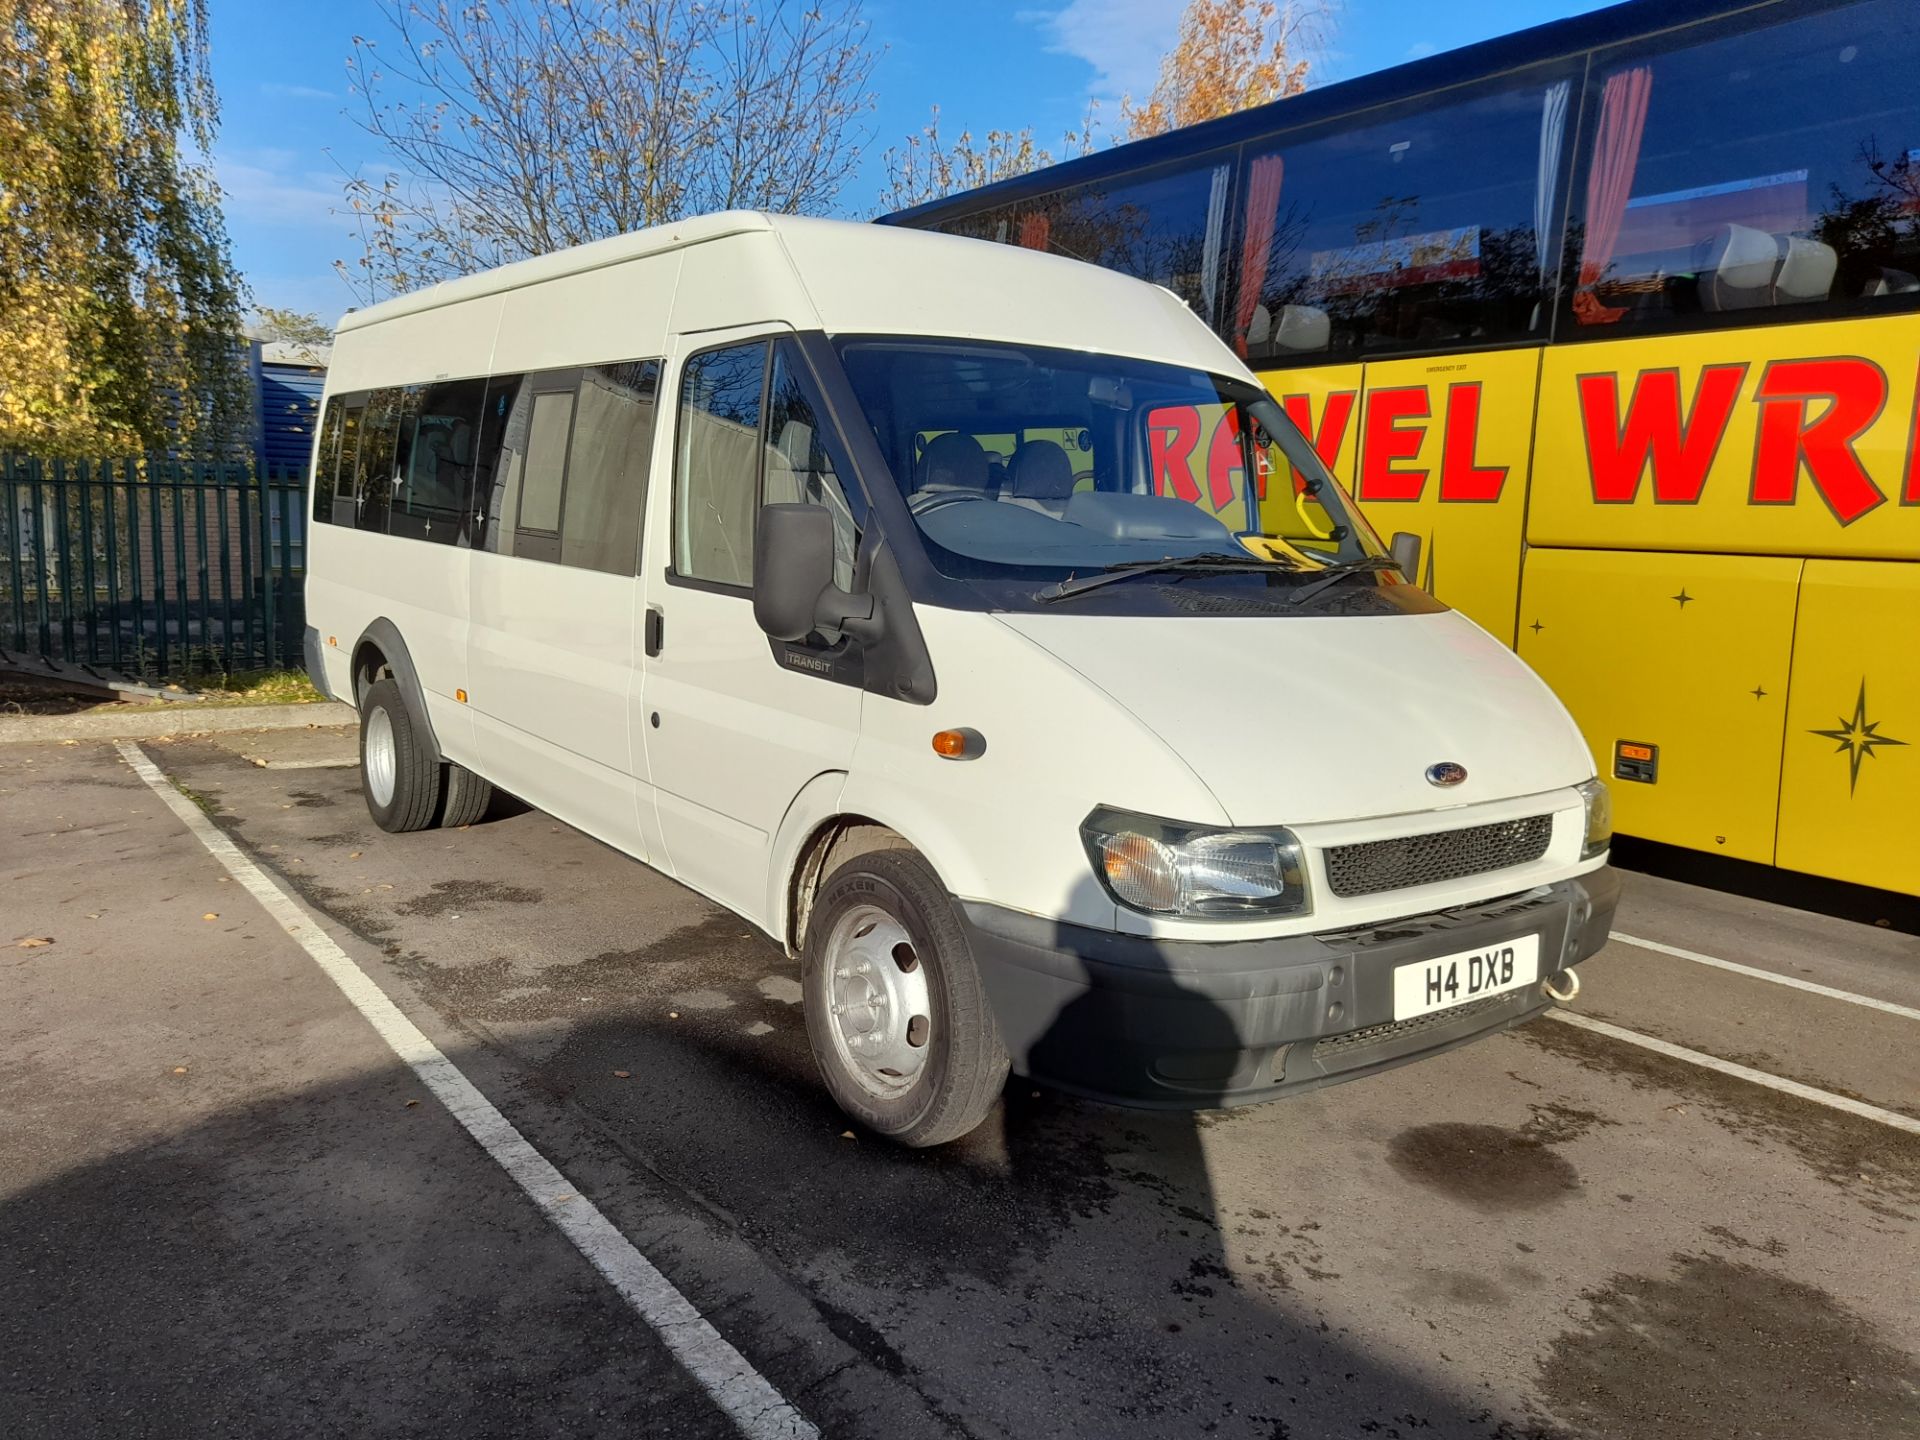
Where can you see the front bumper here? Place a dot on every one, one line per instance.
(1183, 1024)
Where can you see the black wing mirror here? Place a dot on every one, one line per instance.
(793, 589)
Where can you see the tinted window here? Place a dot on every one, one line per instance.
(351, 424)
(493, 460)
(546, 466)
(1770, 173)
(436, 470)
(326, 459)
(607, 466)
(1429, 231)
(716, 474)
(374, 471)
(804, 463)
(1165, 229)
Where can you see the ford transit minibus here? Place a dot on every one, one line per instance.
(969, 620)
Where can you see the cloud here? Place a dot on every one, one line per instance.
(269, 189)
(295, 92)
(1122, 40)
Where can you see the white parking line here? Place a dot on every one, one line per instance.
(757, 1410)
(1741, 1072)
(1905, 1011)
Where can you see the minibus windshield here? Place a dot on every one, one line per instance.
(1031, 464)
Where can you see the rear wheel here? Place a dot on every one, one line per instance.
(400, 779)
(468, 797)
(896, 1015)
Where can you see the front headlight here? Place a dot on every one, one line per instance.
(1198, 871)
(1598, 799)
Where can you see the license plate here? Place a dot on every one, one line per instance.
(1429, 985)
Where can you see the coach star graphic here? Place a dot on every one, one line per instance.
(1858, 737)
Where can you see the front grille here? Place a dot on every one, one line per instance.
(1376, 865)
(1396, 1029)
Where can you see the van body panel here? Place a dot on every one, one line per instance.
(1351, 702)
(550, 667)
(1007, 824)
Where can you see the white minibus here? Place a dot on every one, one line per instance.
(969, 620)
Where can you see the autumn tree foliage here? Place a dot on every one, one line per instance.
(1231, 55)
(119, 307)
(518, 127)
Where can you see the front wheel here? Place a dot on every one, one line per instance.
(401, 780)
(897, 1018)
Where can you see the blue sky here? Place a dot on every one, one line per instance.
(287, 133)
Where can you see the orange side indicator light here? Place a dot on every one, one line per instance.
(333, 642)
(960, 744)
(461, 696)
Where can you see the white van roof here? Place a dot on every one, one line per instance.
(858, 278)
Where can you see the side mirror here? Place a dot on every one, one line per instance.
(793, 589)
(1406, 554)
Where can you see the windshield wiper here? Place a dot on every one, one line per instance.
(1209, 563)
(1333, 574)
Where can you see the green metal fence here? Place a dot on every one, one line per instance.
(152, 567)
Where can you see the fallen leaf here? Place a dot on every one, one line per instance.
(673, 1014)
(847, 1135)
(412, 1103)
(33, 942)
(623, 1074)
(210, 915)
(69, 742)
(179, 1069)
(383, 887)
(354, 856)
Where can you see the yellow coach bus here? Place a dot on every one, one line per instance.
(1622, 316)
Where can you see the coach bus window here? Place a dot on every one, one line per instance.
(436, 472)
(1772, 172)
(716, 476)
(1430, 231)
(1165, 228)
(607, 466)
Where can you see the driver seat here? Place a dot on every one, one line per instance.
(952, 462)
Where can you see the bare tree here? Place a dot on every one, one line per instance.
(517, 127)
(927, 167)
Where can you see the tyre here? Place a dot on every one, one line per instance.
(400, 779)
(468, 797)
(896, 1015)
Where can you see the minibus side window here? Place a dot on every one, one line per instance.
(374, 470)
(343, 493)
(804, 460)
(327, 460)
(549, 424)
(493, 460)
(717, 474)
(436, 471)
(607, 466)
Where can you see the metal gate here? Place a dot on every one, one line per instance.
(155, 568)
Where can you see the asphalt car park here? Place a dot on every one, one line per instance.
(229, 1204)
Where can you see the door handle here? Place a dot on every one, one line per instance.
(656, 630)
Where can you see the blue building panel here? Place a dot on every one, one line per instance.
(289, 407)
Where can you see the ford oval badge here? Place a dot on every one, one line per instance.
(1446, 774)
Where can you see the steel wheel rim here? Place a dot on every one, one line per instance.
(880, 1010)
(380, 760)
